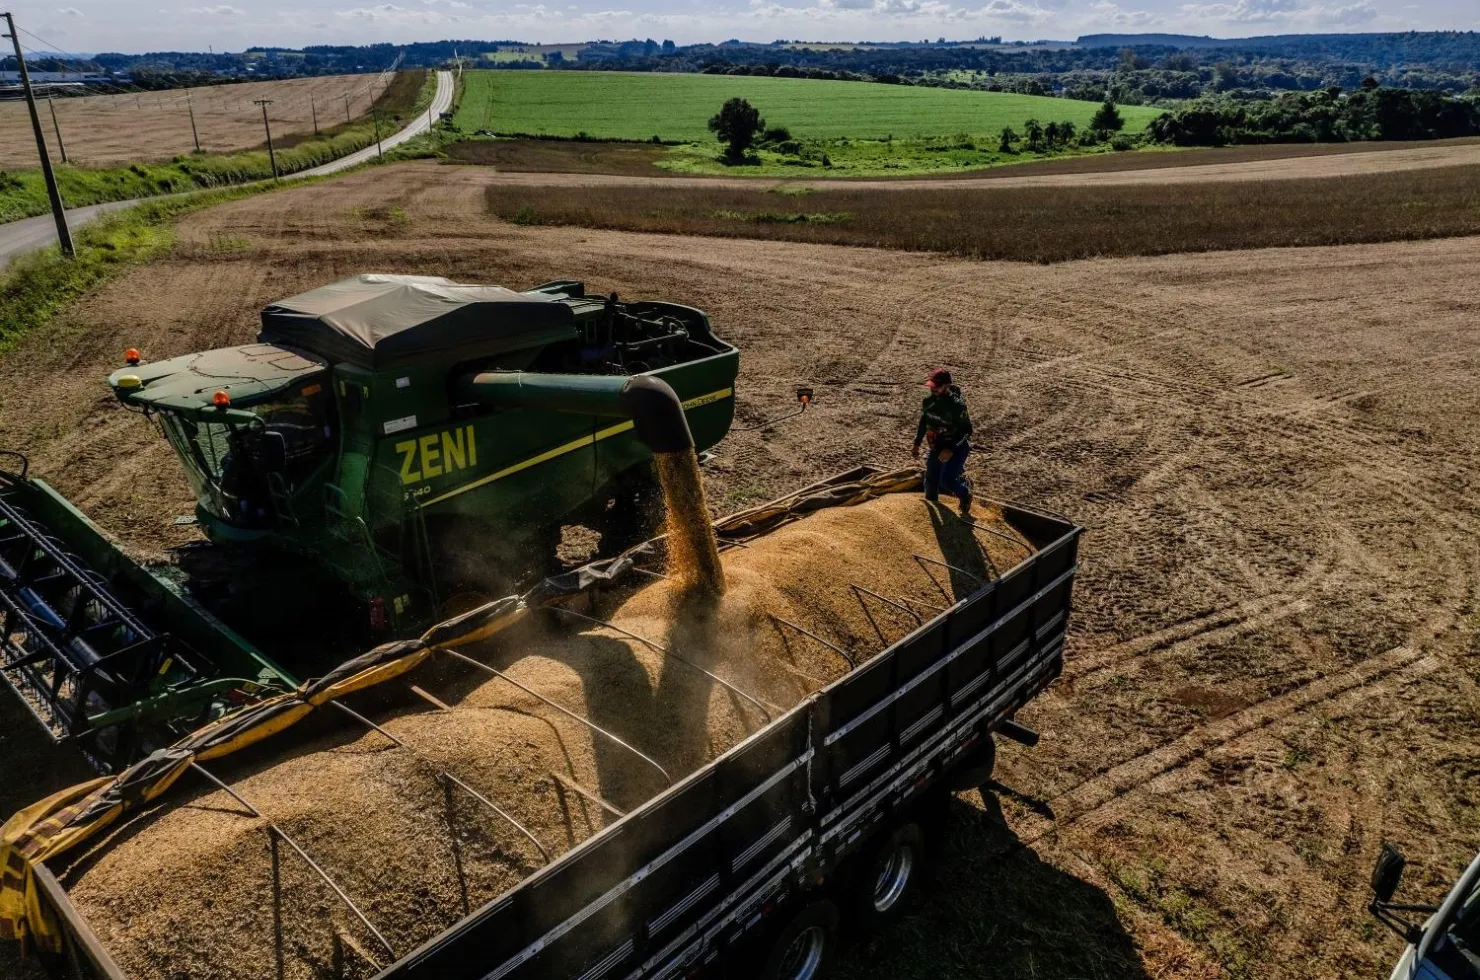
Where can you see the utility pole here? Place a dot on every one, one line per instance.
(51, 104)
(271, 156)
(190, 104)
(64, 234)
(345, 97)
(315, 111)
(375, 111)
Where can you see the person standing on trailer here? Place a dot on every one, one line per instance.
(945, 427)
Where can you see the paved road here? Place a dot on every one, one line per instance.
(441, 102)
(30, 233)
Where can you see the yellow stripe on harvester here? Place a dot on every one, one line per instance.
(569, 447)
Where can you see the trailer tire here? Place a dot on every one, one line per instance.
(975, 770)
(806, 946)
(891, 875)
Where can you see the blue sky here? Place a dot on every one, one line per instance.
(145, 25)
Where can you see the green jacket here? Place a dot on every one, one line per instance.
(946, 417)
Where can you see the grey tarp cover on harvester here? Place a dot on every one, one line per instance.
(373, 319)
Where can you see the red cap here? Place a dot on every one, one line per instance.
(940, 376)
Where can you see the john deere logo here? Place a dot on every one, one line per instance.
(437, 454)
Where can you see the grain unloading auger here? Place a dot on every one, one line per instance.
(390, 445)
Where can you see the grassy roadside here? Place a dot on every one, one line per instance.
(23, 193)
(1032, 224)
(35, 286)
(908, 157)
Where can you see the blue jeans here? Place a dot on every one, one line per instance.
(950, 476)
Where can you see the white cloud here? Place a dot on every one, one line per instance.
(1289, 14)
(1106, 13)
(383, 11)
(130, 25)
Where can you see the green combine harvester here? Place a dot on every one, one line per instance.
(392, 449)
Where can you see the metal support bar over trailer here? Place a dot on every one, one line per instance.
(945, 564)
(274, 832)
(443, 774)
(253, 811)
(565, 711)
(765, 706)
(582, 791)
(1027, 548)
(806, 632)
(859, 592)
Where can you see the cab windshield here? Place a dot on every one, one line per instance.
(243, 472)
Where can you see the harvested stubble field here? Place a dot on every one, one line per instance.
(103, 130)
(1273, 662)
(1030, 224)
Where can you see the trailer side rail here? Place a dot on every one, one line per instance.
(686, 874)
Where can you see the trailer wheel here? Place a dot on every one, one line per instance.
(892, 874)
(806, 946)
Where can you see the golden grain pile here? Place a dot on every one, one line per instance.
(188, 890)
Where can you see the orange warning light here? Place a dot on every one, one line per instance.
(132, 356)
(221, 399)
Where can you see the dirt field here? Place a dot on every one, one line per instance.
(983, 220)
(1273, 664)
(102, 130)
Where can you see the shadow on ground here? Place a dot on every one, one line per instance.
(993, 910)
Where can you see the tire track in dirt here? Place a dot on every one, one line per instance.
(1136, 774)
(1207, 630)
(1133, 775)
(1169, 773)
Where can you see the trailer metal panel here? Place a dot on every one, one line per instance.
(673, 885)
(675, 881)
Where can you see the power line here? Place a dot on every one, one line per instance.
(48, 44)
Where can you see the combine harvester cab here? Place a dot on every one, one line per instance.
(741, 865)
(369, 430)
(405, 443)
(107, 655)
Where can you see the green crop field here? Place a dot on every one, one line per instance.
(623, 105)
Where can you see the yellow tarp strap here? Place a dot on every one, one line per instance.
(21, 911)
(51, 826)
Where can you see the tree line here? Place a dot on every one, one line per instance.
(1371, 112)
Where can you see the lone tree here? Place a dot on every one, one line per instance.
(1107, 120)
(1033, 133)
(736, 125)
